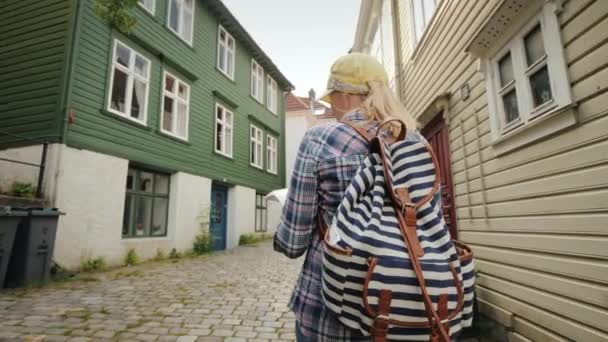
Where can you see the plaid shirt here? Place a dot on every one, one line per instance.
(327, 160)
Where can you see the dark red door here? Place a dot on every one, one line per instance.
(437, 134)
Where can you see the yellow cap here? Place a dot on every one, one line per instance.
(351, 74)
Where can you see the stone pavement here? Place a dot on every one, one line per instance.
(237, 295)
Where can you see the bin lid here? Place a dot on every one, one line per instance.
(39, 211)
(8, 211)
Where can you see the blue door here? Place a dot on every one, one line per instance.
(217, 224)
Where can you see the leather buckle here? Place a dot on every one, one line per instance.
(407, 205)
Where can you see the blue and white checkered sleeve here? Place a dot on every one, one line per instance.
(298, 219)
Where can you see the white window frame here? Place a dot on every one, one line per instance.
(180, 21)
(226, 125)
(221, 44)
(149, 10)
(256, 146)
(176, 100)
(257, 78)
(560, 87)
(131, 75)
(271, 94)
(426, 21)
(547, 118)
(271, 154)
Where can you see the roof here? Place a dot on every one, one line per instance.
(293, 103)
(230, 23)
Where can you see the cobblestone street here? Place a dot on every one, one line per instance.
(238, 295)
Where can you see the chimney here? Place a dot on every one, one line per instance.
(312, 98)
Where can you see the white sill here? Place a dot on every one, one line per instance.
(258, 100)
(173, 135)
(225, 155)
(180, 37)
(140, 239)
(540, 127)
(231, 78)
(274, 173)
(259, 167)
(128, 117)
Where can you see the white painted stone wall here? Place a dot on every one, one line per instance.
(241, 214)
(91, 190)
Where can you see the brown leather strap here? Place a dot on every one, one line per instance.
(437, 329)
(380, 327)
(402, 131)
(442, 310)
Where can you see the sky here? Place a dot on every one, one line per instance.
(302, 38)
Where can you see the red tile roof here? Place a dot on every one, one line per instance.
(294, 103)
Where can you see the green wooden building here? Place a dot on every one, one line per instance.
(151, 133)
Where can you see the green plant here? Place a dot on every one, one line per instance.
(160, 255)
(116, 13)
(94, 265)
(23, 189)
(174, 254)
(131, 258)
(203, 243)
(249, 239)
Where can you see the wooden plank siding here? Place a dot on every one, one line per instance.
(34, 39)
(98, 130)
(536, 217)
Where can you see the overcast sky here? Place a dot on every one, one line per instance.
(302, 37)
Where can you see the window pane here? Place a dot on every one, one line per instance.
(253, 151)
(159, 217)
(146, 181)
(222, 36)
(138, 99)
(174, 15)
(264, 224)
(418, 18)
(119, 91)
(143, 211)
(505, 66)
(219, 112)
(169, 84)
(141, 66)
(182, 119)
(218, 137)
(229, 140)
(229, 62)
(541, 87)
(130, 179)
(126, 218)
(182, 91)
(168, 114)
(161, 185)
(510, 104)
(222, 58)
(122, 55)
(535, 48)
(258, 219)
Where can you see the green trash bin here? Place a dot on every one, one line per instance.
(9, 220)
(30, 262)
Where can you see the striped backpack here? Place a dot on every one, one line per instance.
(390, 269)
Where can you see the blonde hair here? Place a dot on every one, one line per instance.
(381, 104)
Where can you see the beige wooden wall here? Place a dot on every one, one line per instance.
(542, 253)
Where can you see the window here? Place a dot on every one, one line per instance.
(148, 5)
(225, 53)
(175, 107)
(257, 81)
(523, 75)
(271, 154)
(146, 204)
(128, 96)
(181, 18)
(256, 147)
(223, 130)
(271, 92)
(261, 213)
(422, 13)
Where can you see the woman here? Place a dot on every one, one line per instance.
(328, 158)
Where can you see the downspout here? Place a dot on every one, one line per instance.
(398, 48)
(67, 93)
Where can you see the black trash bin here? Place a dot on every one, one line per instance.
(30, 262)
(9, 220)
